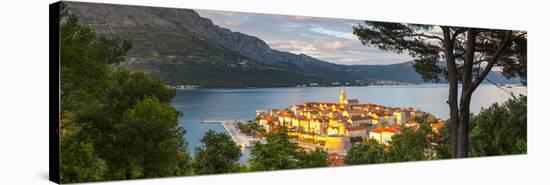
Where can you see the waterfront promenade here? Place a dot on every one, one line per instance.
(233, 131)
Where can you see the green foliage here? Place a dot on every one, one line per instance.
(126, 88)
(445, 146)
(85, 61)
(425, 46)
(403, 38)
(251, 128)
(470, 54)
(496, 130)
(368, 152)
(244, 128)
(218, 155)
(151, 140)
(411, 144)
(79, 160)
(278, 153)
(313, 159)
(393, 36)
(116, 124)
(500, 129)
(108, 122)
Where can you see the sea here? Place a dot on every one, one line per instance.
(241, 104)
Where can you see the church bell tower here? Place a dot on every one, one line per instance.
(342, 100)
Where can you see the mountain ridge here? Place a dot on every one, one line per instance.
(185, 41)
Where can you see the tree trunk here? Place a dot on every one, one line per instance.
(463, 126)
(454, 113)
(466, 96)
(453, 88)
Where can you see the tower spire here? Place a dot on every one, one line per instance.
(342, 99)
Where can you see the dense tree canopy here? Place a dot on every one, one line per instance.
(148, 136)
(445, 145)
(80, 161)
(500, 129)
(218, 155)
(313, 159)
(469, 55)
(368, 152)
(115, 124)
(117, 128)
(85, 63)
(411, 144)
(277, 153)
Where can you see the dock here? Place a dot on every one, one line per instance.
(236, 135)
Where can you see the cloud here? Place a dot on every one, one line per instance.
(296, 47)
(333, 45)
(321, 49)
(286, 43)
(232, 24)
(336, 45)
(330, 40)
(338, 34)
(310, 50)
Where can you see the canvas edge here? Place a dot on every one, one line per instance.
(54, 51)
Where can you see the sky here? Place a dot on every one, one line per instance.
(331, 40)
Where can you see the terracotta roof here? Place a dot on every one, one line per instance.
(437, 126)
(355, 111)
(286, 115)
(386, 129)
(335, 159)
(270, 118)
(378, 130)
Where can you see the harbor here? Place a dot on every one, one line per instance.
(231, 128)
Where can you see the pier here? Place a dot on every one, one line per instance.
(236, 135)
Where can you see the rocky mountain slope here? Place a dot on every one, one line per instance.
(184, 48)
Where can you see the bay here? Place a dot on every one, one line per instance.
(241, 104)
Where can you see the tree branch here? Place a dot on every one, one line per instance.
(492, 61)
(427, 36)
(469, 57)
(475, 63)
(459, 55)
(457, 32)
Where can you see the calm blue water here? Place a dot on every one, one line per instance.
(241, 104)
